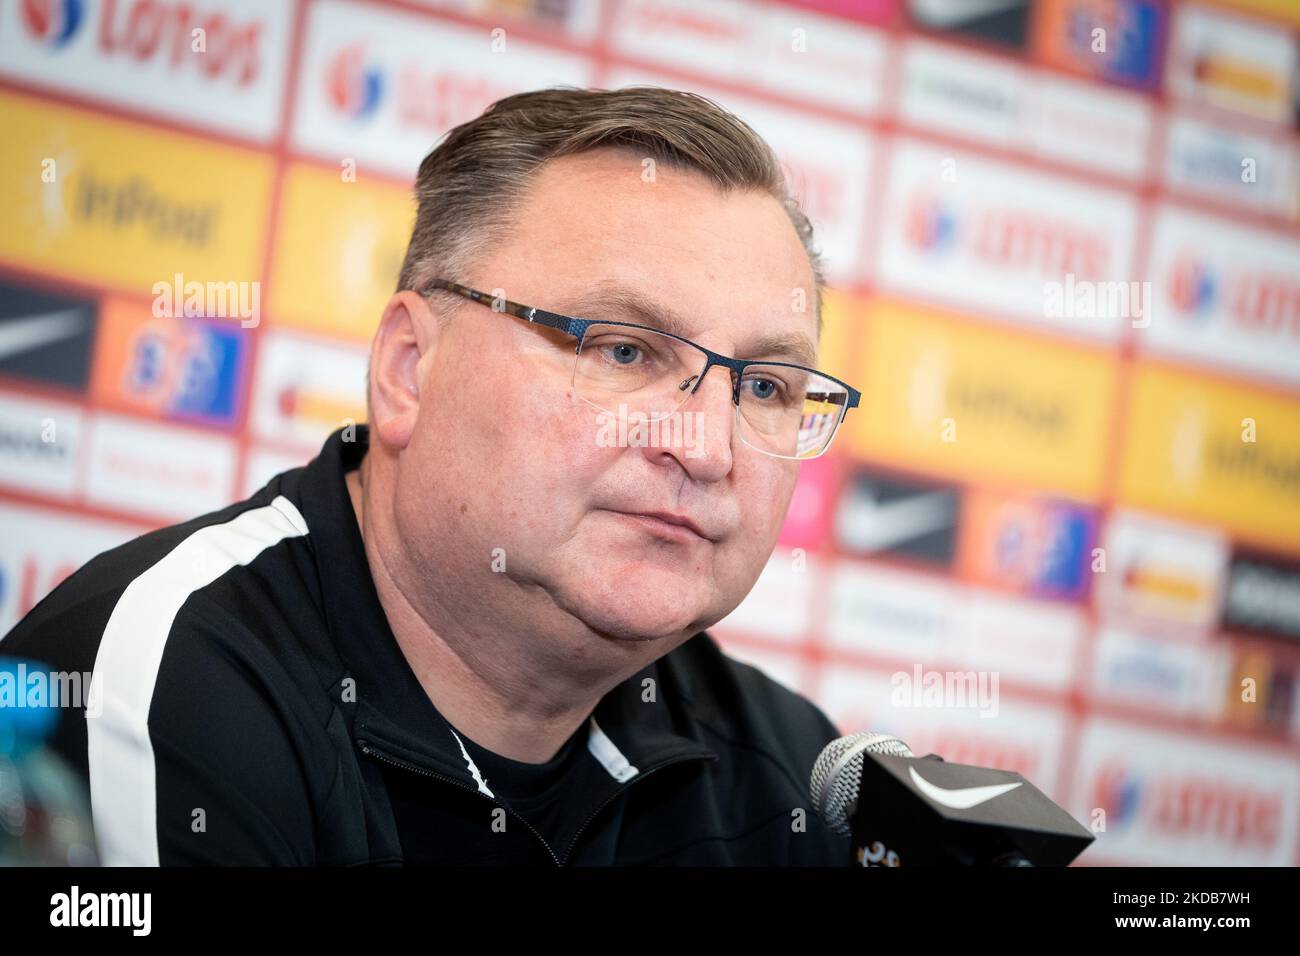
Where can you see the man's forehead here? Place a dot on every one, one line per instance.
(619, 301)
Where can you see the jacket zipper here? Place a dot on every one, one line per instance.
(370, 751)
(622, 790)
(382, 757)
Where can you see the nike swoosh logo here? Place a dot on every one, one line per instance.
(873, 525)
(32, 332)
(962, 799)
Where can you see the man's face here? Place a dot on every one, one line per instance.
(505, 456)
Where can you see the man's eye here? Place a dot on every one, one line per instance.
(764, 389)
(624, 353)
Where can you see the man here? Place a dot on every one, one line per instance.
(473, 630)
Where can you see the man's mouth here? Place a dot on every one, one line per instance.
(664, 524)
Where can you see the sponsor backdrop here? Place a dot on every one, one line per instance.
(1061, 535)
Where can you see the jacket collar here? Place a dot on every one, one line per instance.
(627, 735)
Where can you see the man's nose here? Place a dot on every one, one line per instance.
(705, 423)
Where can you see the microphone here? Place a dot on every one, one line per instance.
(923, 811)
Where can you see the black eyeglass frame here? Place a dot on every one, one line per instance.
(577, 327)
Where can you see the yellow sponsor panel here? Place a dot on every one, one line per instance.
(125, 205)
(842, 319)
(980, 402)
(1223, 453)
(338, 251)
(1286, 11)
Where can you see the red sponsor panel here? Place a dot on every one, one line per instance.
(379, 86)
(1181, 800)
(1009, 242)
(215, 64)
(1225, 294)
(41, 547)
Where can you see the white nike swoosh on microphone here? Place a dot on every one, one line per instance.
(962, 799)
(33, 331)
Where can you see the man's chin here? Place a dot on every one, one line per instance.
(645, 611)
(635, 590)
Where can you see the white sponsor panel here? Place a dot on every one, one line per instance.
(892, 613)
(1090, 126)
(1160, 674)
(1230, 166)
(1004, 104)
(792, 51)
(1225, 294)
(924, 619)
(578, 19)
(160, 471)
(264, 463)
(1024, 737)
(827, 163)
(778, 606)
(993, 237)
(817, 58)
(1161, 574)
(1232, 62)
(1025, 641)
(305, 388)
(380, 87)
(40, 444)
(218, 64)
(40, 547)
(1177, 800)
(711, 38)
(978, 97)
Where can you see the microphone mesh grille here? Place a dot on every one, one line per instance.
(838, 772)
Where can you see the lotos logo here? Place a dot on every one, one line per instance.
(1258, 302)
(1192, 287)
(1028, 241)
(178, 35)
(1117, 794)
(1190, 806)
(1007, 239)
(355, 85)
(931, 226)
(1267, 301)
(53, 22)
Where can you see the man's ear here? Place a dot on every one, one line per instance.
(407, 331)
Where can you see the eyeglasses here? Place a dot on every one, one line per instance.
(782, 409)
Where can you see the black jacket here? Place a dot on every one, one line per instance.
(256, 709)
